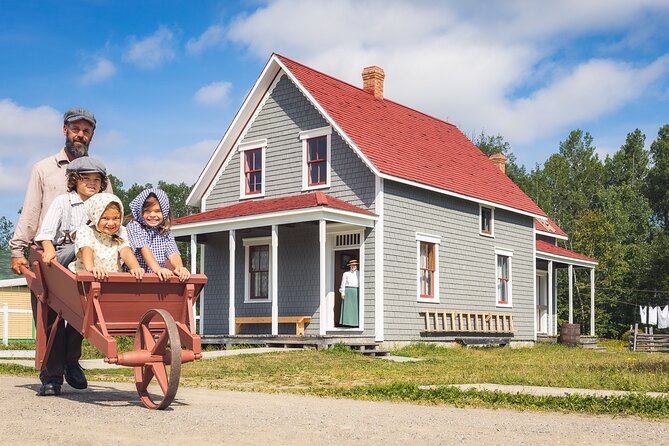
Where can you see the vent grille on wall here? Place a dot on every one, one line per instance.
(348, 240)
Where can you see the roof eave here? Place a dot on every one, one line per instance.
(275, 218)
(564, 259)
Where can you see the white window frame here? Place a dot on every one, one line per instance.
(252, 145)
(256, 241)
(305, 136)
(492, 221)
(509, 254)
(436, 241)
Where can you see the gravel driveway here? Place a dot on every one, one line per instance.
(110, 414)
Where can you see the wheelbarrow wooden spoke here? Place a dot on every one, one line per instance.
(147, 337)
(163, 359)
(146, 375)
(160, 345)
(160, 373)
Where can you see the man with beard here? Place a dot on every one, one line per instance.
(48, 180)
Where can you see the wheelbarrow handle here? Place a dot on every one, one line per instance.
(29, 274)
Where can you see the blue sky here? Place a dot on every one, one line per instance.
(165, 78)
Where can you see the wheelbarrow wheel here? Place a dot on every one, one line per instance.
(164, 364)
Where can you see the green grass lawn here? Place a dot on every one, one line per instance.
(342, 373)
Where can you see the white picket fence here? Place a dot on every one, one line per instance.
(5, 321)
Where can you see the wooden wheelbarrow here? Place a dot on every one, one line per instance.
(158, 314)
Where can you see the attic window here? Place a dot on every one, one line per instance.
(486, 221)
(316, 158)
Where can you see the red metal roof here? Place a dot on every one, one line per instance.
(549, 227)
(546, 247)
(404, 143)
(269, 205)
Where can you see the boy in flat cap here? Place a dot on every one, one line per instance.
(86, 177)
(48, 180)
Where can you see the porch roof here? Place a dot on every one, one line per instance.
(268, 211)
(548, 251)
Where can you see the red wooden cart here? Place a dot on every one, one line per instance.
(158, 314)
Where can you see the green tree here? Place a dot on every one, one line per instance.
(630, 163)
(6, 232)
(657, 189)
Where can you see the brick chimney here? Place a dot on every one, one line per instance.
(372, 81)
(500, 161)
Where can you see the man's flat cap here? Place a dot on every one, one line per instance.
(77, 114)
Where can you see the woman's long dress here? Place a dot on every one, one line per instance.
(349, 308)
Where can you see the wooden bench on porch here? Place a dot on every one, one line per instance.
(467, 322)
(299, 321)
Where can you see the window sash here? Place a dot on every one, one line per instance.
(253, 171)
(503, 279)
(427, 269)
(317, 161)
(486, 220)
(258, 272)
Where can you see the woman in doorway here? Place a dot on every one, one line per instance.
(349, 295)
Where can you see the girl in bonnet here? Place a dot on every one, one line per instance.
(150, 236)
(102, 244)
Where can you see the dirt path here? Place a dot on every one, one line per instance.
(110, 414)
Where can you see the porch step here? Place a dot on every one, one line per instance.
(375, 353)
(590, 343)
(368, 349)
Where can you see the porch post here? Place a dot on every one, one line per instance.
(550, 298)
(571, 294)
(193, 270)
(232, 327)
(324, 310)
(379, 332)
(274, 273)
(193, 254)
(592, 301)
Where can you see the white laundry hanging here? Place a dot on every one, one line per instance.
(663, 317)
(643, 312)
(652, 315)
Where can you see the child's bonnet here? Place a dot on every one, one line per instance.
(105, 247)
(137, 204)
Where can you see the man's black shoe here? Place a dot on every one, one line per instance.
(49, 389)
(74, 375)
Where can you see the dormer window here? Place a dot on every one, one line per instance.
(252, 171)
(486, 221)
(316, 158)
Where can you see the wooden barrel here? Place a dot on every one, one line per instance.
(570, 334)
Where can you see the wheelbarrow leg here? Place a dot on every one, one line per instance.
(44, 340)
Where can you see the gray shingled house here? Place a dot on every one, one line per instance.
(314, 172)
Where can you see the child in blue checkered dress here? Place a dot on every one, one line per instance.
(150, 236)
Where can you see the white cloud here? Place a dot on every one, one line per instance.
(182, 164)
(494, 67)
(102, 70)
(215, 94)
(213, 36)
(152, 51)
(27, 134)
